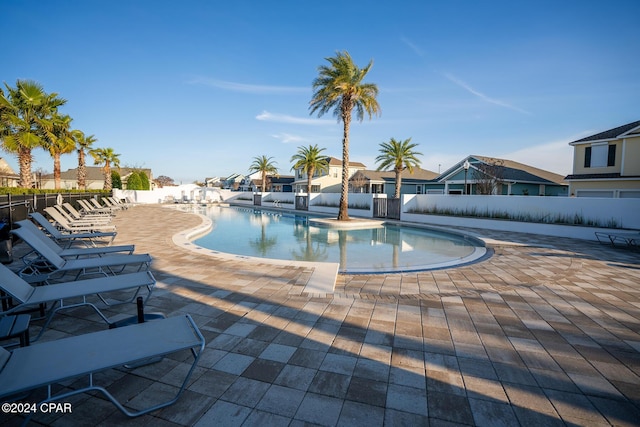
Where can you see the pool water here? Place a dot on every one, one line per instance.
(288, 236)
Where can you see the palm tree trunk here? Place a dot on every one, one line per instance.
(309, 177)
(56, 170)
(82, 171)
(343, 211)
(107, 176)
(396, 195)
(24, 158)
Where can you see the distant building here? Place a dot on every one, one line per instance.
(607, 164)
(8, 177)
(384, 182)
(232, 182)
(490, 175)
(212, 182)
(94, 179)
(325, 182)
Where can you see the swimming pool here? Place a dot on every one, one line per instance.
(381, 249)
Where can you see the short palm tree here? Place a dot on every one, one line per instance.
(340, 87)
(83, 144)
(265, 165)
(58, 139)
(310, 161)
(25, 107)
(398, 155)
(105, 157)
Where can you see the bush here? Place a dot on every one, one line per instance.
(116, 181)
(134, 182)
(144, 179)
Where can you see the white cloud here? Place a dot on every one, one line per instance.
(412, 46)
(481, 95)
(287, 138)
(284, 118)
(247, 88)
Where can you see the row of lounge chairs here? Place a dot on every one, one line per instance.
(72, 263)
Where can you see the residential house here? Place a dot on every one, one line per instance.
(384, 182)
(282, 183)
(490, 175)
(212, 182)
(232, 182)
(325, 182)
(607, 164)
(8, 177)
(94, 178)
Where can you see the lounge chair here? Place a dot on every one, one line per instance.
(28, 231)
(49, 363)
(112, 204)
(120, 202)
(53, 264)
(630, 240)
(90, 208)
(92, 220)
(29, 296)
(61, 221)
(97, 205)
(67, 239)
(76, 214)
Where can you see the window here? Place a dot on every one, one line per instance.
(600, 155)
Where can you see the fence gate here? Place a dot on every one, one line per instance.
(393, 208)
(302, 203)
(380, 207)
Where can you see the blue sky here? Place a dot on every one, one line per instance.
(195, 89)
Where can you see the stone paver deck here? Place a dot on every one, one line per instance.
(545, 332)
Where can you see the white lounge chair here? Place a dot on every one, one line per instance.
(92, 220)
(76, 214)
(48, 363)
(28, 296)
(65, 224)
(28, 231)
(90, 208)
(53, 264)
(67, 239)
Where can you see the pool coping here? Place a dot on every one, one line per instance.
(323, 276)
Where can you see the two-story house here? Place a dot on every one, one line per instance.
(325, 182)
(607, 164)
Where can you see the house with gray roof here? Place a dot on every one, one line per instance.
(489, 175)
(94, 178)
(607, 164)
(384, 182)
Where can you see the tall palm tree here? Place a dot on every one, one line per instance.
(105, 157)
(58, 139)
(25, 107)
(398, 155)
(83, 143)
(265, 165)
(340, 87)
(310, 160)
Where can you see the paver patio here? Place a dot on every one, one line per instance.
(545, 332)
